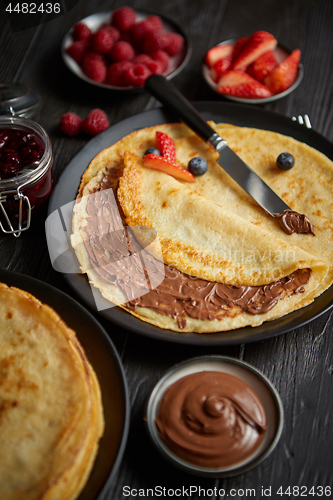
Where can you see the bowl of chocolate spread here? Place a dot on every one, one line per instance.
(214, 416)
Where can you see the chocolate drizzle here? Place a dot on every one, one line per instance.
(293, 222)
(119, 260)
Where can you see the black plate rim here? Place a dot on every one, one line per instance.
(168, 20)
(30, 284)
(237, 114)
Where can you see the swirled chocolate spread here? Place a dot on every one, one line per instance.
(293, 222)
(119, 260)
(212, 419)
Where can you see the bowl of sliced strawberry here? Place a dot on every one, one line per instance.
(253, 69)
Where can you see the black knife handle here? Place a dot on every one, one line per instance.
(172, 99)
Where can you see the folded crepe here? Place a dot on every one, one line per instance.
(227, 263)
(51, 414)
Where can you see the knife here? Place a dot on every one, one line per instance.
(245, 177)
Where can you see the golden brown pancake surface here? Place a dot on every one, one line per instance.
(51, 416)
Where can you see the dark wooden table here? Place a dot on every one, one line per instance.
(299, 363)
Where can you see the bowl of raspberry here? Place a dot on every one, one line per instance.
(253, 69)
(119, 49)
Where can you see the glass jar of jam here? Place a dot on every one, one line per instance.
(25, 172)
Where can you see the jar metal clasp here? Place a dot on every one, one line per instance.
(22, 200)
(22, 194)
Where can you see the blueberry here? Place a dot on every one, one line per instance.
(197, 166)
(152, 151)
(285, 161)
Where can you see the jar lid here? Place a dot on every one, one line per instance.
(18, 100)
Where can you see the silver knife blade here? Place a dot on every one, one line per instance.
(246, 178)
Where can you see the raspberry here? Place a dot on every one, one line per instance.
(93, 56)
(121, 51)
(116, 71)
(126, 36)
(142, 59)
(139, 30)
(102, 41)
(77, 50)
(81, 32)
(113, 32)
(137, 75)
(123, 18)
(95, 70)
(70, 124)
(153, 41)
(161, 57)
(96, 122)
(155, 67)
(173, 43)
(155, 22)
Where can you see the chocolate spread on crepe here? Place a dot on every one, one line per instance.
(179, 295)
(211, 419)
(226, 219)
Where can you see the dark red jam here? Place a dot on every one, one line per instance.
(37, 195)
(18, 150)
(24, 170)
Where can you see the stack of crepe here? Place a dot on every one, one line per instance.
(51, 415)
(228, 264)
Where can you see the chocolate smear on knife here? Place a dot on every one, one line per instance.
(293, 222)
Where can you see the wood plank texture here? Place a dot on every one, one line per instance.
(300, 363)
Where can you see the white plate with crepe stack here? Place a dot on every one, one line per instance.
(60, 356)
(227, 113)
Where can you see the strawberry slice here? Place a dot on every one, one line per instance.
(258, 43)
(166, 146)
(262, 66)
(284, 75)
(239, 45)
(239, 84)
(220, 67)
(218, 52)
(157, 162)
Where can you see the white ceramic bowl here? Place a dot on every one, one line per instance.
(280, 54)
(176, 64)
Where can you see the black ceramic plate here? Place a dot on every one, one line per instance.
(176, 64)
(66, 189)
(107, 365)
